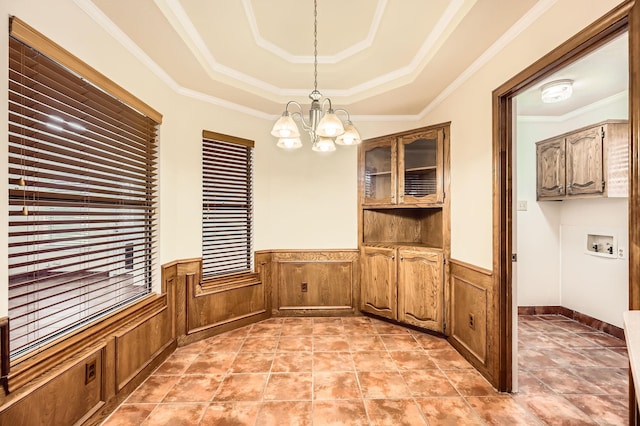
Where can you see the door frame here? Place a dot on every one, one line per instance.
(625, 16)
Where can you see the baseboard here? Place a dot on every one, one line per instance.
(574, 315)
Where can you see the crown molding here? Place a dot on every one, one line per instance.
(308, 59)
(534, 13)
(523, 23)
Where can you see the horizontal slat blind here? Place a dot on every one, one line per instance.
(227, 205)
(82, 192)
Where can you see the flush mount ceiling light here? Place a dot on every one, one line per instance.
(556, 91)
(324, 127)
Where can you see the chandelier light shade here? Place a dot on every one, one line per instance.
(285, 127)
(323, 144)
(324, 127)
(289, 143)
(556, 91)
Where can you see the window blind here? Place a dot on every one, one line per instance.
(227, 205)
(82, 192)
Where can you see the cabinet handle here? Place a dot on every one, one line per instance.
(401, 258)
(570, 187)
(561, 189)
(393, 257)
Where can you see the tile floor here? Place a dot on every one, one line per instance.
(361, 371)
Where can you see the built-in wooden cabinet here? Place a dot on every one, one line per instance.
(379, 295)
(404, 226)
(404, 284)
(588, 162)
(403, 169)
(421, 287)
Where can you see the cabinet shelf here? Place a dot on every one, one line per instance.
(403, 244)
(368, 173)
(420, 169)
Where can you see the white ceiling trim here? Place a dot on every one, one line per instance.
(308, 59)
(178, 18)
(436, 37)
(114, 31)
(576, 112)
(96, 14)
(99, 17)
(530, 17)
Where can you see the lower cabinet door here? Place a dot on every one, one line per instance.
(421, 288)
(378, 281)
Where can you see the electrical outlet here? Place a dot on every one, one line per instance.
(472, 322)
(522, 205)
(303, 287)
(90, 371)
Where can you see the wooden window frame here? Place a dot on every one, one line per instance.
(212, 280)
(23, 33)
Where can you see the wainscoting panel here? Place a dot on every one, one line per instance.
(314, 282)
(472, 299)
(224, 303)
(64, 399)
(208, 307)
(138, 345)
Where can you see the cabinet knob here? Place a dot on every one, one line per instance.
(393, 257)
(570, 187)
(561, 189)
(401, 258)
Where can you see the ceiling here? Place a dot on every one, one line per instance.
(382, 58)
(597, 77)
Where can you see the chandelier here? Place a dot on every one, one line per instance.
(324, 126)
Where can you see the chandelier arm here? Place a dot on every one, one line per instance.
(298, 114)
(324, 102)
(343, 110)
(293, 103)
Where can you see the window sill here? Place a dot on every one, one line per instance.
(229, 282)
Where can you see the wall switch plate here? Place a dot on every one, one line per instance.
(522, 205)
(620, 252)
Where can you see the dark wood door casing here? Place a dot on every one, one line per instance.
(625, 17)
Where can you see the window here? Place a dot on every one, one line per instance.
(82, 173)
(227, 205)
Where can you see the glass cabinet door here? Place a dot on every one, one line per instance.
(379, 172)
(420, 163)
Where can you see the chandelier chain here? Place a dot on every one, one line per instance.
(315, 45)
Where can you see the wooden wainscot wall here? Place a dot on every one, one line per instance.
(313, 282)
(80, 379)
(214, 306)
(83, 377)
(472, 304)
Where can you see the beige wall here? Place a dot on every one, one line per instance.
(302, 200)
(469, 109)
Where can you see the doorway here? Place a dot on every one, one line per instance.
(626, 17)
(572, 249)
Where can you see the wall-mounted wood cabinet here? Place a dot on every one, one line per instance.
(403, 169)
(589, 162)
(404, 226)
